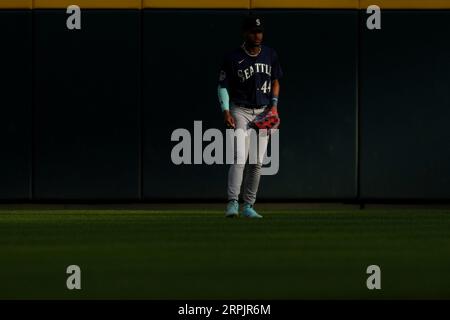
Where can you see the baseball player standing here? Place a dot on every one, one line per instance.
(248, 86)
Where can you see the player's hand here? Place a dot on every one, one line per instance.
(228, 119)
(274, 109)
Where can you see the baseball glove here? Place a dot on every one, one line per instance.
(266, 120)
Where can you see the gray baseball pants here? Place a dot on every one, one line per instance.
(242, 117)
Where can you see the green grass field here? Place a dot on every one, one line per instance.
(163, 254)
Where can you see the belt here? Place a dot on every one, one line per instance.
(250, 107)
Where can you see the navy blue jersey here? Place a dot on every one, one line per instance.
(249, 79)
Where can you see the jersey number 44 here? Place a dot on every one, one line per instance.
(266, 87)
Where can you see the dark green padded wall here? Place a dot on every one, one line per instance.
(87, 104)
(15, 104)
(317, 103)
(405, 106)
(317, 49)
(183, 51)
(80, 135)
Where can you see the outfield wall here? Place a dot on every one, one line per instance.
(88, 114)
(16, 88)
(405, 106)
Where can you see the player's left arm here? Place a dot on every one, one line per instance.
(275, 94)
(277, 74)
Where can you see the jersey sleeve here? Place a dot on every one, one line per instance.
(225, 73)
(277, 72)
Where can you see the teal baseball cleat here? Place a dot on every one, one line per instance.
(232, 209)
(249, 212)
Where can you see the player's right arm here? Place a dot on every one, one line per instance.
(223, 95)
(224, 100)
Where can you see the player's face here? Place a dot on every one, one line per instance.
(254, 38)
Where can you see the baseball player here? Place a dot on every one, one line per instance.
(248, 87)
